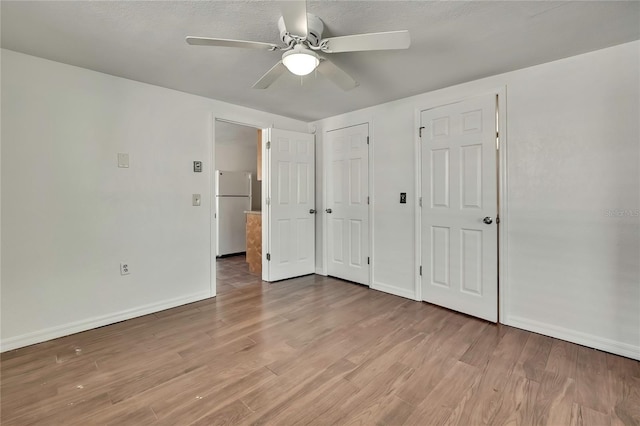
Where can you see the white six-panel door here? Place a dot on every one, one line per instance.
(347, 203)
(459, 178)
(288, 227)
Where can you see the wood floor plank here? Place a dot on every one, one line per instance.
(189, 407)
(320, 401)
(556, 396)
(592, 381)
(313, 350)
(282, 403)
(382, 388)
(446, 396)
(515, 404)
(625, 397)
(563, 358)
(583, 416)
(534, 357)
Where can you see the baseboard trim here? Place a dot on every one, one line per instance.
(584, 339)
(320, 271)
(90, 323)
(396, 291)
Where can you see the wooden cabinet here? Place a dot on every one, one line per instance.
(259, 174)
(254, 242)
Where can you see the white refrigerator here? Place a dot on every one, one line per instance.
(233, 199)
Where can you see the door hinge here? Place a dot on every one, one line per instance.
(268, 144)
(420, 270)
(497, 219)
(368, 260)
(268, 201)
(367, 200)
(268, 256)
(420, 201)
(215, 215)
(497, 140)
(367, 140)
(420, 130)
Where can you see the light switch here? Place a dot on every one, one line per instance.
(123, 160)
(197, 166)
(403, 198)
(195, 198)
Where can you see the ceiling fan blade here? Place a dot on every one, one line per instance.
(222, 42)
(272, 75)
(294, 14)
(336, 75)
(371, 41)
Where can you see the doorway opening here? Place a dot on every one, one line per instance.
(237, 209)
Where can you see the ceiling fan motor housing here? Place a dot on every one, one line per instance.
(315, 27)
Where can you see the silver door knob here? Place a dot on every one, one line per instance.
(312, 211)
(487, 220)
(329, 211)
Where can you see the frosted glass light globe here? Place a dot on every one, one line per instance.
(300, 60)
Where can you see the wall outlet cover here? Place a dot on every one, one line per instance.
(124, 268)
(123, 160)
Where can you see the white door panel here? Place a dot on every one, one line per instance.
(348, 222)
(459, 184)
(289, 233)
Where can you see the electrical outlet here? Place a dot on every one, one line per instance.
(124, 268)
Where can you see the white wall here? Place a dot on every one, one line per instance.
(238, 157)
(70, 216)
(573, 147)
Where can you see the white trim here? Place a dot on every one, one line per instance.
(502, 190)
(266, 179)
(397, 291)
(320, 271)
(212, 211)
(585, 339)
(418, 209)
(91, 323)
(370, 175)
(325, 219)
(503, 251)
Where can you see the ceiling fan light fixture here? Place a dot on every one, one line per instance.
(300, 60)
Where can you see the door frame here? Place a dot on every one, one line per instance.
(502, 208)
(212, 182)
(370, 187)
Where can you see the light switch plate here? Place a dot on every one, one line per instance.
(123, 160)
(197, 166)
(403, 198)
(195, 199)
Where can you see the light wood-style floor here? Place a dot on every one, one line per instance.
(313, 350)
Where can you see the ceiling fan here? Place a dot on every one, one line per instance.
(301, 33)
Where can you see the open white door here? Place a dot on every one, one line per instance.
(459, 231)
(347, 203)
(288, 230)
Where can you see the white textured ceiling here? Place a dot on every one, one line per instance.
(452, 42)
